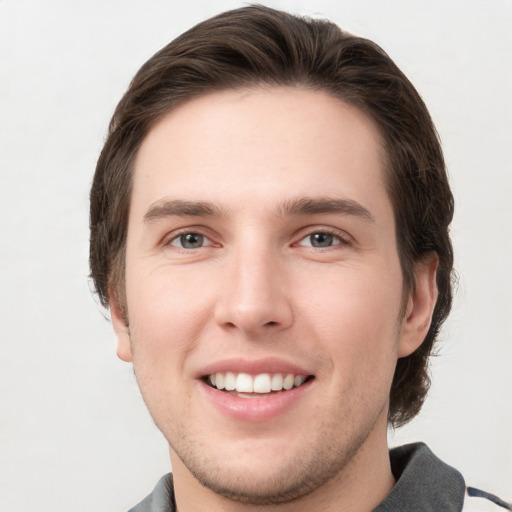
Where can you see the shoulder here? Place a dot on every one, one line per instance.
(425, 483)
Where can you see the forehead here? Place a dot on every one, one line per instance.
(267, 143)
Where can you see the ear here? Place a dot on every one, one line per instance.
(117, 314)
(420, 306)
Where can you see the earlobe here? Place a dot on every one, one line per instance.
(124, 346)
(420, 306)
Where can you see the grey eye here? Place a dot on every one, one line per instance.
(321, 240)
(189, 241)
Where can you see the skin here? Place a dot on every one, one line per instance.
(257, 288)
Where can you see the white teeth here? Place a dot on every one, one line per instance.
(261, 383)
(230, 381)
(288, 382)
(277, 382)
(219, 381)
(299, 380)
(244, 383)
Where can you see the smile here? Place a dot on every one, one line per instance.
(245, 392)
(261, 383)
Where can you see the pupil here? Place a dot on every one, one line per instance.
(321, 240)
(191, 240)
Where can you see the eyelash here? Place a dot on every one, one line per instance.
(176, 237)
(342, 240)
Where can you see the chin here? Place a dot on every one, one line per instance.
(268, 474)
(269, 485)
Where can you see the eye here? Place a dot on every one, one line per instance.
(190, 241)
(321, 239)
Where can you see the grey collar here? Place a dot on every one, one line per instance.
(424, 483)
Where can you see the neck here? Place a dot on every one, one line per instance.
(359, 487)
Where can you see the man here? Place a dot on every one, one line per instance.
(269, 228)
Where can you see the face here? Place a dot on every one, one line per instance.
(264, 290)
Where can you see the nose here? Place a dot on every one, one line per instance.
(254, 297)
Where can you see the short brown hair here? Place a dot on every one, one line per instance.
(259, 45)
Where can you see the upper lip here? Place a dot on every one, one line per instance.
(253, 367)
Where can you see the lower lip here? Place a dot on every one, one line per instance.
(254, 409)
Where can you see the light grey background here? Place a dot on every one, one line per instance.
(74, 432)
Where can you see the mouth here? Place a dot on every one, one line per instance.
(245, 385)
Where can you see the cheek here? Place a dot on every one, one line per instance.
(165, 313)
(355, 313)
(164, 329)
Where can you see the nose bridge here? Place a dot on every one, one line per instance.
(254, 293)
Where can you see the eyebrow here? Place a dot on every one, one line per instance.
(294, 207)
(179, 208)
(312, 206)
